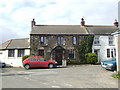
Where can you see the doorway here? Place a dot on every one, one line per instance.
(97, 52)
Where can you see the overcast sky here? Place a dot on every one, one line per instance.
(16, 15)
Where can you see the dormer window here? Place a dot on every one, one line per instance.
(43, 40)
(110, 40)
(97, 40)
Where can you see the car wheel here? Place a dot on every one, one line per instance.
(51, 65)
(27, 66)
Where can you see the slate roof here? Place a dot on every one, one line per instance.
(101, 29)
(16, 44)
(58, 29)
(73, 29)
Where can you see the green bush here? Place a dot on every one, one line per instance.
(25, 56)
(91, 58)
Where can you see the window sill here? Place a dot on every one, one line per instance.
(97, 45)
(111, 45)
(11, 57)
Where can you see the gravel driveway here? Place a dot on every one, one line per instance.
(80, 76)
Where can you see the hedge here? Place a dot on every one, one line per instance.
(25, 56)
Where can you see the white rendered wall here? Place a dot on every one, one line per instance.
(104, 45)
(13, 61)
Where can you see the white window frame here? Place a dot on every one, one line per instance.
(112, 52)
(74, 40)
(21, 52)
(43, 40)
(11, 53)
(97, 40)
(60, 40)
(110, 40)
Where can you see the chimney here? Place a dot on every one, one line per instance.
(33, 23)
(116, 23)
(82, 22)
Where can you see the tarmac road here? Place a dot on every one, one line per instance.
(82, 76)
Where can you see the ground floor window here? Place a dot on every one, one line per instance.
(11, 53)
(21, 52)
(71, 54)
(111, 53)
(41, 53)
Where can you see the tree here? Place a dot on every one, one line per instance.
(85, 46)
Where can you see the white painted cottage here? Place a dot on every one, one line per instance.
(104, 42)
(11, 51)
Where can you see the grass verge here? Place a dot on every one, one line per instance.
(117, 75)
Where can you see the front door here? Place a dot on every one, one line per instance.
(97, 51)
(58, 56)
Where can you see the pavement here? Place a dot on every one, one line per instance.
(75, 76)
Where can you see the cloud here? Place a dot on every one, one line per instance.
(16, 15)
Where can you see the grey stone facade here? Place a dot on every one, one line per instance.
(52, 49)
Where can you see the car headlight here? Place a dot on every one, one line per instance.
(110, 64)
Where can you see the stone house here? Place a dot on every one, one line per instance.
(57, 42)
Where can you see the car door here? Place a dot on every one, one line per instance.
(33, 62)
(42, 62)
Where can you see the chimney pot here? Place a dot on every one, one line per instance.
(82, 22)
(33, 22)
(116, 23)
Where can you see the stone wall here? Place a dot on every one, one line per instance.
(52, 43)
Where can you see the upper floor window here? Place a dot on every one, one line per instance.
(111, 40)
(97, 40)
(75, 40)
(60, 40)
(21, 52)
(43, 40)
(11, 53)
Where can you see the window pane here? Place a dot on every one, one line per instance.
(11, 53)
(74, 40)
(40, 59)
(32, 59)
(43, 40)
(115, 52)
(60, 40)
(96, 40)
(41, 53)
(111, 40)
(112, 55)
(108, 53)
(71, 54)
(20, 52)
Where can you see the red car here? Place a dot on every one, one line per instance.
(38, 61)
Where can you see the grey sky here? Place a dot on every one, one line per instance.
(16, 15)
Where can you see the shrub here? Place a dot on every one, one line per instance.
(91, 58)
(25, 56)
